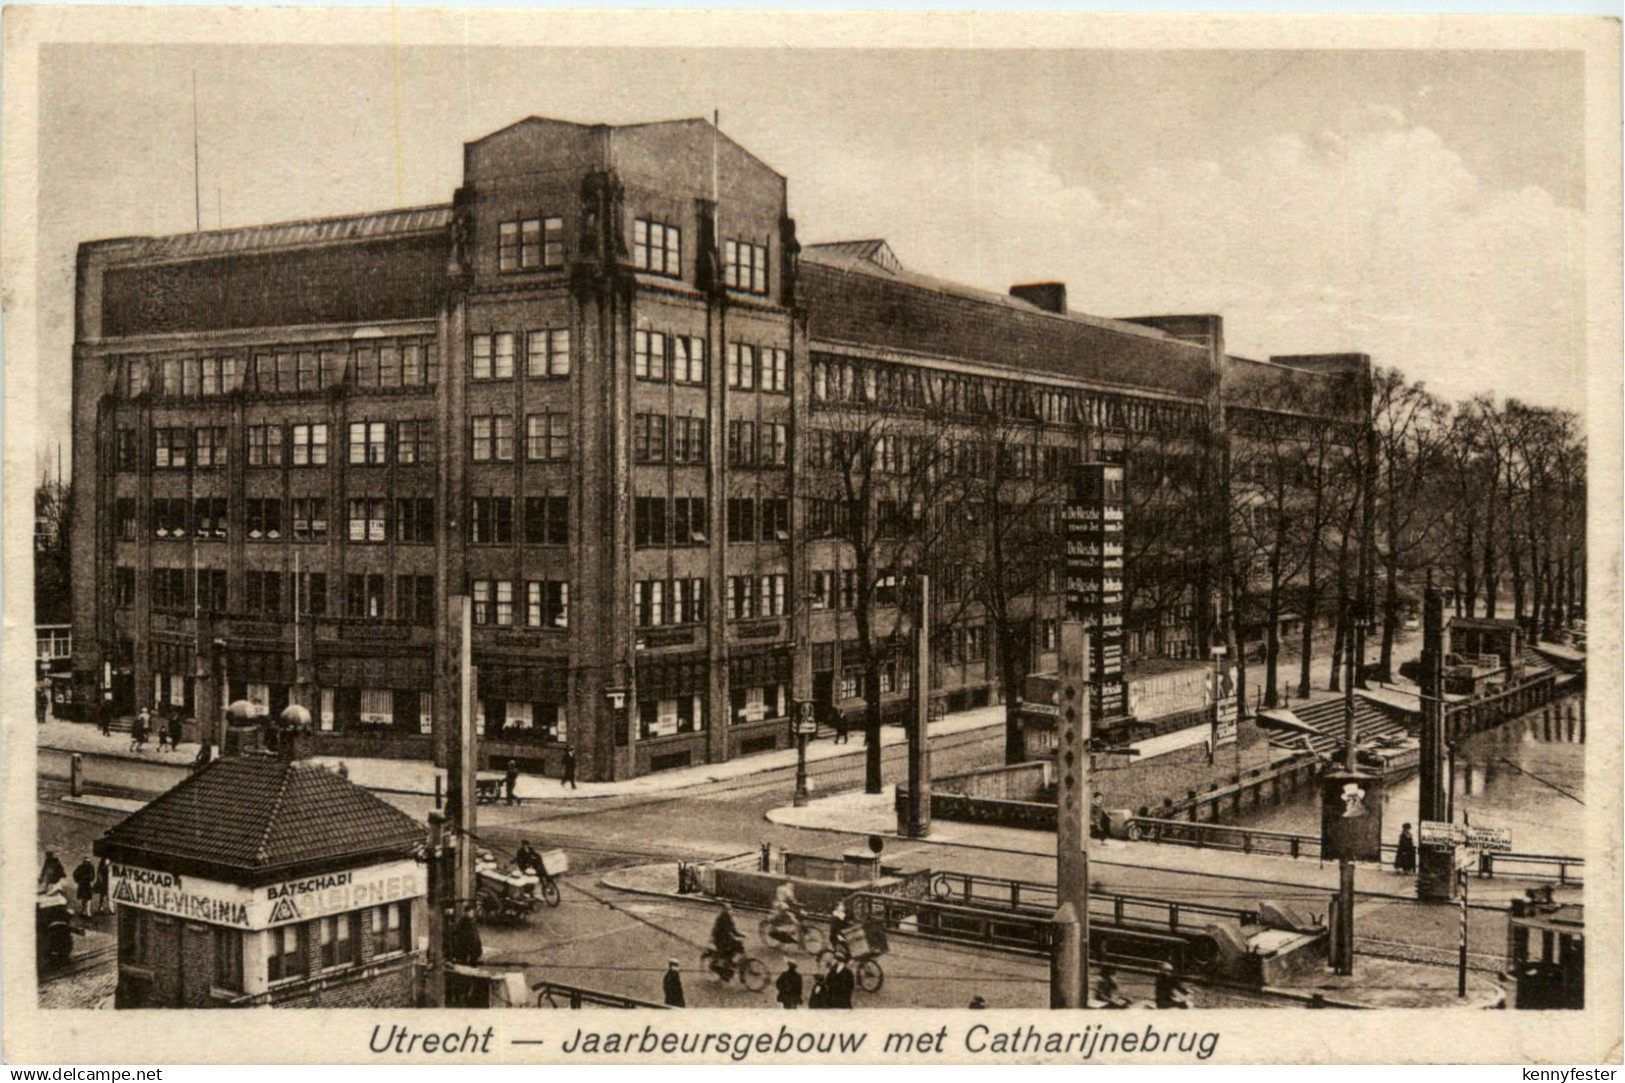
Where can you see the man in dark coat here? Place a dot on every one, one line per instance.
(1405, 853)
(527, 859)
(569, 778)
(465, 944)
(103, 875)
(52, 872)
(84, 879)
(175, 731)
(789, 986)
(510, 779)
(842, 982)
(673, 986)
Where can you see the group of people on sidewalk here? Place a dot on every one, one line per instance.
(167, 728)
(90, 883)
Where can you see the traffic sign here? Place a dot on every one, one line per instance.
(806, 720)
(1493, 840)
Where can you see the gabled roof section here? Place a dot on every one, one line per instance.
(248, 818)
(875, 251)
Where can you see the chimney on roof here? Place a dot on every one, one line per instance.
(1049, 296)
(243, 736)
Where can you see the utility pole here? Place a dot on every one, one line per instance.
(461, 793)
(1436, 783)
(1350, 817)
(434, 985)
(1461, 966)
(1345, 866)
(919, 738)
(1069, 966)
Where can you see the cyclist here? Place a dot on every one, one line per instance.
(1107, 991)
(725, 942)
(786, 915)
(837, 929)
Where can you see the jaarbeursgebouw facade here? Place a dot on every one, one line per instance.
(606, 394)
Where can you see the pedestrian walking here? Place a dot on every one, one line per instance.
(569, 778)
(103, 875)
(1405, 853)
(819, 997)
(842, 983)
(42, 701)
(841, 729)
(138, 730)
(175, 731)
(84, 882)
(510, 779)
(51, 872)
(672, 986)
(789, 986)
(344, 772)
(161, 728)
(104, 719)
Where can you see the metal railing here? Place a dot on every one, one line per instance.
(997, 893)
(550, 994)
(1254, 840)
(1026, 933)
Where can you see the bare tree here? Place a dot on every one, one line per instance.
(1409, 424)
(872, 477)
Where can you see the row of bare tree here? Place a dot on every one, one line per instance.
(1284, 514)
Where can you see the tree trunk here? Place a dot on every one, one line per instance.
(1011, 673)
(871, 724)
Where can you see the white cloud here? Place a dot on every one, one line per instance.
(1374, 237)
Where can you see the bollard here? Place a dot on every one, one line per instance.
(76, 775)
(1066, 960)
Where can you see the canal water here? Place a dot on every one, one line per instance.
(1505, 777)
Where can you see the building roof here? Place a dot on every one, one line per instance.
(377, 225)
(253, 819)
(857, 293)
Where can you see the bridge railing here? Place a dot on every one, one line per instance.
(552, 994)
(1254, 840)
(997, 893)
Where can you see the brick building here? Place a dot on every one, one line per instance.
(263, 880)
(591, 393)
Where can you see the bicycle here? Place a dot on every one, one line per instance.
(751, 972)
(803, 934)
(870, 974)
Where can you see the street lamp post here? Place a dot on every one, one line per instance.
(804, 720)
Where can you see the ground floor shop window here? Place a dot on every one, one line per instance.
(519, 720)
(667, 717)
(339, 937)
(228, 959)
(285, 956)
(852, 682)
(391, 928)
(760, 702)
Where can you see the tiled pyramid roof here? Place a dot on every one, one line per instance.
(253, 817)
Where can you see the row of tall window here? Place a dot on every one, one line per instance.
(756, 596)
(657, 247)
(661, 602)
(525, 244)
(545, 603)
(885, 384)
(758, 368)
(659, 356)
(371, 364)
(277, 594)
(547, 438)
(492, 356)
(546, 520)
(766, 519)
(758, 443)
(657, 438)
(657, 521)
(744, 266)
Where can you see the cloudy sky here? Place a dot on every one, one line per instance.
(1423, 207)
